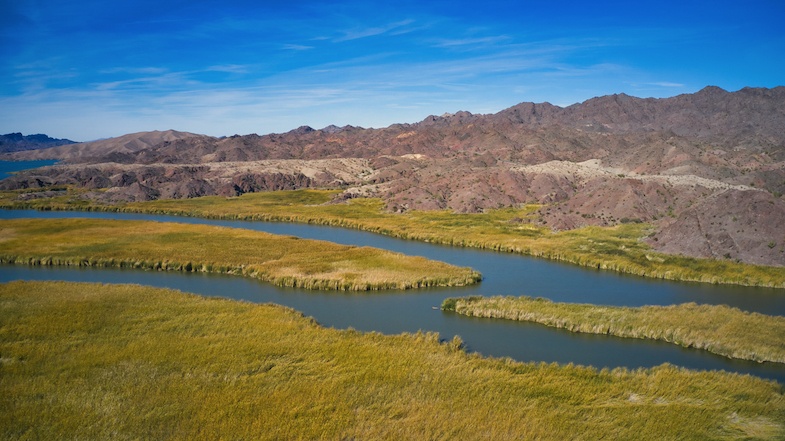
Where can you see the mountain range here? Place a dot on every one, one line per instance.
(706, 169)
(15, 142)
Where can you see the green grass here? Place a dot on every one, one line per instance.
(719, 329)
(616, 248)
(91, 361)
(282, 260)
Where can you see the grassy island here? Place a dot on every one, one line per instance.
(514, 230)
(94, 361)
(281, 260)
(719, 329)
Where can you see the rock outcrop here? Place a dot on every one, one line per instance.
(680, 163)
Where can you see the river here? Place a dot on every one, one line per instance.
(409, 311)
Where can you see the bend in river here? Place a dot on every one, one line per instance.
(394, 312)
(505, 274)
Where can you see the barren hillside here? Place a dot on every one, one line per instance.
(707, 169)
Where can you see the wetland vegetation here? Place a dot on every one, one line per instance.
(716, 328)
(281, 260)
(94, 361)
(618, 248)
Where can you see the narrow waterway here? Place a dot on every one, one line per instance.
(394, 312)
(410, 311)
(503, 273)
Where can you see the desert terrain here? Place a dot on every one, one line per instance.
(706, 170)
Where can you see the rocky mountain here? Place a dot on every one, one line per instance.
(707, 169)
(88, 151)
(16, 142)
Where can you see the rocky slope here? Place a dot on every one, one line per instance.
(104, 149)
(707, 169)
(142, 182)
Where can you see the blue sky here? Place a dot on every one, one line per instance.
(92, 69)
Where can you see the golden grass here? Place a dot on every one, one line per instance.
(719, 329)
(91, 361)
(282, 260)
(616, 248)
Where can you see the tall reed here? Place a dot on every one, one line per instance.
(618, 248)
(719, 329)
(281, 260)
(94, 361)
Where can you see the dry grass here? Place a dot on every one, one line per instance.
(511, 229)
(90, 361)
(719, 329)
(282, 260)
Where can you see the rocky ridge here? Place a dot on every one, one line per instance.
(707, 169)
(16, 142)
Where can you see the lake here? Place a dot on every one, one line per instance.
(8, 168)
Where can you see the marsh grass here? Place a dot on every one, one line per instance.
(616, 248)
(92, 361)
(719, 329)
(282, 260)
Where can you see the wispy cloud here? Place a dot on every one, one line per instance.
(145, 83)
(473, 42)
(229, 68)
(398, 89)
(296, 47)
(396, 28)
(274, 66)
(134, 70)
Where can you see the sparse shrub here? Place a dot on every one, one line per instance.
(449, 304)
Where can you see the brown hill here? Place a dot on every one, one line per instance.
(88, 151)
(611, 159)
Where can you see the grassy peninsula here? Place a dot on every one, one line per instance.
(719, 329)
(616, 248)
(281, 260)
(94, 361)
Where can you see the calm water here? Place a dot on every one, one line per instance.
(506, 274)
(395, 312)
(7, 168)
(503, 273)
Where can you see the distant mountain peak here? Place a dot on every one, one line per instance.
(302, 130)
(16, 142)
(712, 90)
(332, 128)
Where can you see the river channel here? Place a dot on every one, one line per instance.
(409, 311)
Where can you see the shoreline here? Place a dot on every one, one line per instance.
(718, 329)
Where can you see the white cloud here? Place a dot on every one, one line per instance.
(473, 42)
(398, 27)
(135, 70)
(296, 47)
(229, 68)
